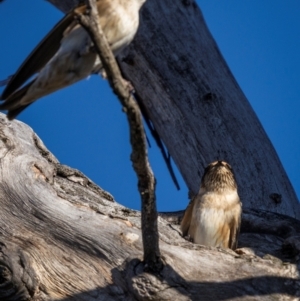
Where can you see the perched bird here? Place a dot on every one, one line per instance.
(213, 217)
(66, 55)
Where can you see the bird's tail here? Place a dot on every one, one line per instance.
(4, 82)
(13, 103)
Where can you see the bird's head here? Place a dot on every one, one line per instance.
(218, 176)
(141, 2)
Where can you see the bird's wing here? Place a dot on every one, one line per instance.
(186, 221)
(40, 56)
(235, 226)
(13, 106)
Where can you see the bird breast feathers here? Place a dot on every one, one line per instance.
(219, 200)
(117, 22)
(216, 209)
(214, 215)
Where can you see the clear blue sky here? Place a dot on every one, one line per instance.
(84, 127)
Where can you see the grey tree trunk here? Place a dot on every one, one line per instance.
(64, 238)
(198, 108)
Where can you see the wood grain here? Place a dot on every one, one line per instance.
(64, 238)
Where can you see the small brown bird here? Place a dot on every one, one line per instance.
(66, 54)
(213, 217)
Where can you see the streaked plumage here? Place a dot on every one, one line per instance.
(66, 54)
(213, 217)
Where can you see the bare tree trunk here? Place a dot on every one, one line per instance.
(197, 107)
(64, 238)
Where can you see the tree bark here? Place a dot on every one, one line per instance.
(64, 238)
(197, 107)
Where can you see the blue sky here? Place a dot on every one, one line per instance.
(84, 127)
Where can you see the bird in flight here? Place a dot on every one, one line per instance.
(213, 217)
(66, 55)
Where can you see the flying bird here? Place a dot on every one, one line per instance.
(66, 55)
(213, 217)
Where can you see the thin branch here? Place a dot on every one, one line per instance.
(139, 156)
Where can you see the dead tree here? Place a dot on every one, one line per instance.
(64, 238)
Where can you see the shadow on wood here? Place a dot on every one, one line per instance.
(64, 238)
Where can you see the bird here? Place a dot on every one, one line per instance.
(66, 55)
(213, 216)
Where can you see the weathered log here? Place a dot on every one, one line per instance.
(64, 238)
